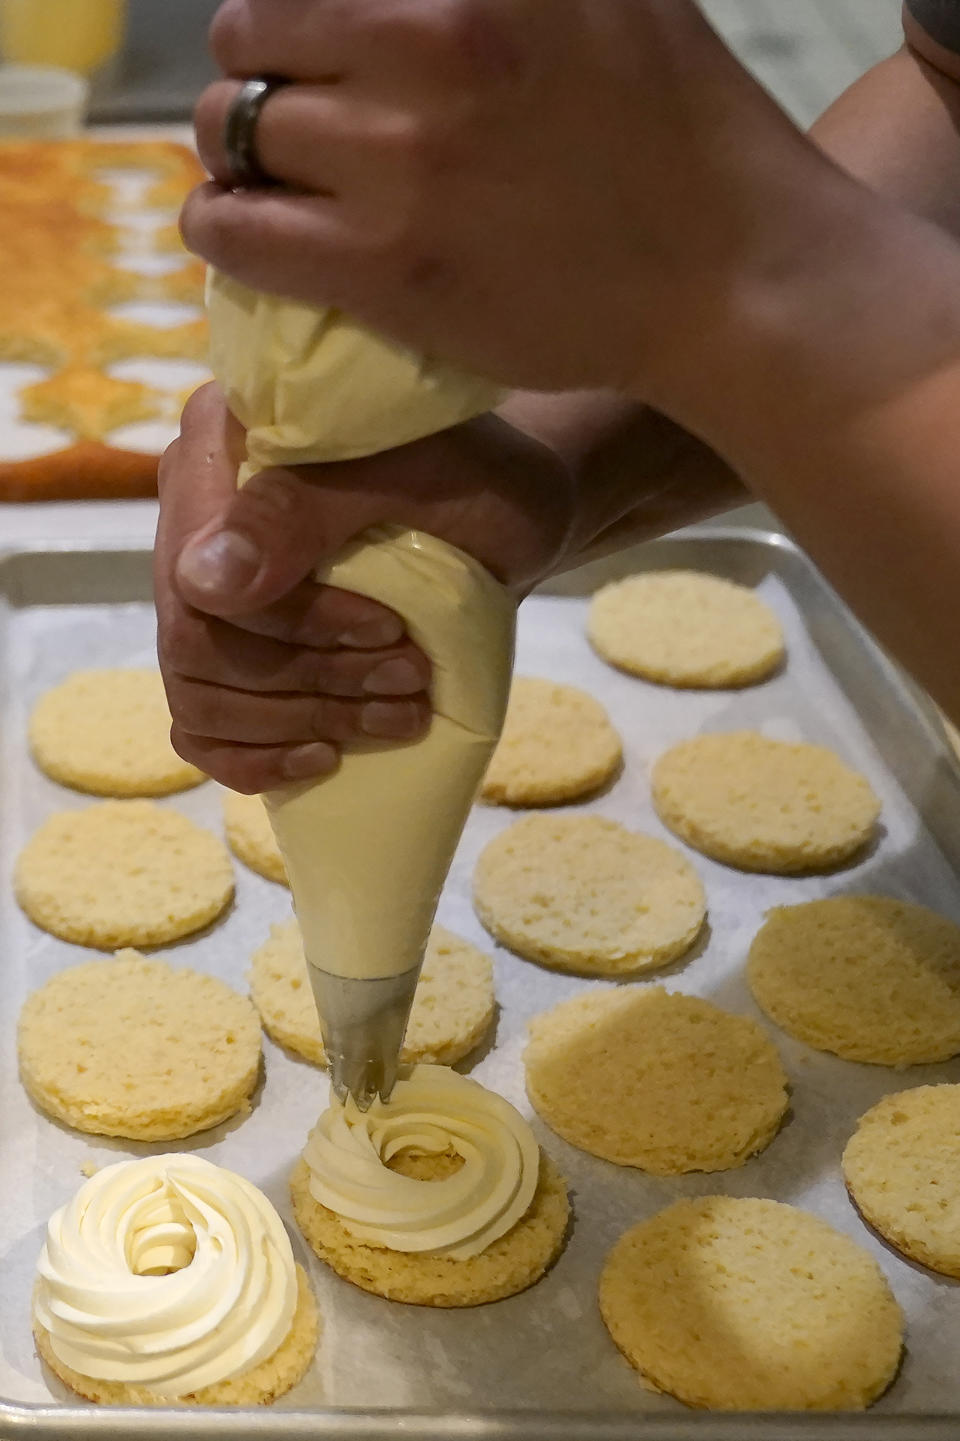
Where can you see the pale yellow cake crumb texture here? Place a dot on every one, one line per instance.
(509, 1265)
(271, 1378)
(687, 1087)
(108, 732)
(686, 628)
(138, 1048)
(764, 805)
(902, 1168)
(751, 1305)
(557, 745)
(870, 978)
(123, 873)
(582, 893)
(452, 1009)
(250, 835)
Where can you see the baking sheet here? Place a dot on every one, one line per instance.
(136, 252)
(545, 1351)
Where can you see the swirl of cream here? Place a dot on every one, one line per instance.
(169, 1273)
(433, 1111)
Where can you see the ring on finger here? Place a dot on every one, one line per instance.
(240, 131)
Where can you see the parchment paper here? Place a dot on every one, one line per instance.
(548, 1347)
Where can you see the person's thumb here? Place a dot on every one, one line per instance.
(233, 552)
(266, 539)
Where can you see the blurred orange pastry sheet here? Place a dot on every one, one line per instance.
(89, 226)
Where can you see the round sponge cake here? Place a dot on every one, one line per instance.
(581, 893)
(764, 805)
(123, 873)
(250, 835)
(108, 732)
(869, 978)
(273, 1377)
(685, 628)
(557, 745)
(902, 1167)
(136, 1048)
(509, 1265)
(751, 1305)
(667, 1083)
(452, 1009)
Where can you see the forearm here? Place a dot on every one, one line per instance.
(840, 405)
(898, 130)
(637, 473)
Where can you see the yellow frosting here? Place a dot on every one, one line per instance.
(432, 1111)
(169, 1273)
(368, 849)
(311, 385)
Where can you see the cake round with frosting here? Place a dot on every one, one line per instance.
(171, 1280)
(439, 1196)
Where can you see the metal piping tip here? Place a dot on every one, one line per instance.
(362, 1082)
(363, 1023)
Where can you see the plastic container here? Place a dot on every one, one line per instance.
(81, 35)
(41, 102)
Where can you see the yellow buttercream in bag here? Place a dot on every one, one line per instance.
(310, 385)
(368, 849)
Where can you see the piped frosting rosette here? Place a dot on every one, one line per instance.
(169, 1273)
(431, 1112)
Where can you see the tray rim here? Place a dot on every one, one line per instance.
(82, 1422)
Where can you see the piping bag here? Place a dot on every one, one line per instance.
(368, 848)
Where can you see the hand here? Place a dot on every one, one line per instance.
(268, 674)
(553, 194)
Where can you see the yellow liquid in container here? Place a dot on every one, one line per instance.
(79, 35)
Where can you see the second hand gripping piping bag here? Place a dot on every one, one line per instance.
(368, 849)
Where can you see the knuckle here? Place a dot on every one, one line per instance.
(488, 40)
(243, 775)
(191, 707)
(225, 37)
(167, 464)
(428, 274)
(190, 220)
(186, 747)
(407, 135)
(208, 227)
(176, 640)
(196, 408)
(208, 118)
(329, 721)
(318, 674)
(271, 496)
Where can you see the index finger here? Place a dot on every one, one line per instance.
(299, 39)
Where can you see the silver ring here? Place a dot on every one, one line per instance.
(240, 131)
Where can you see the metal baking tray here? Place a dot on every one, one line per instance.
(539, 1366)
